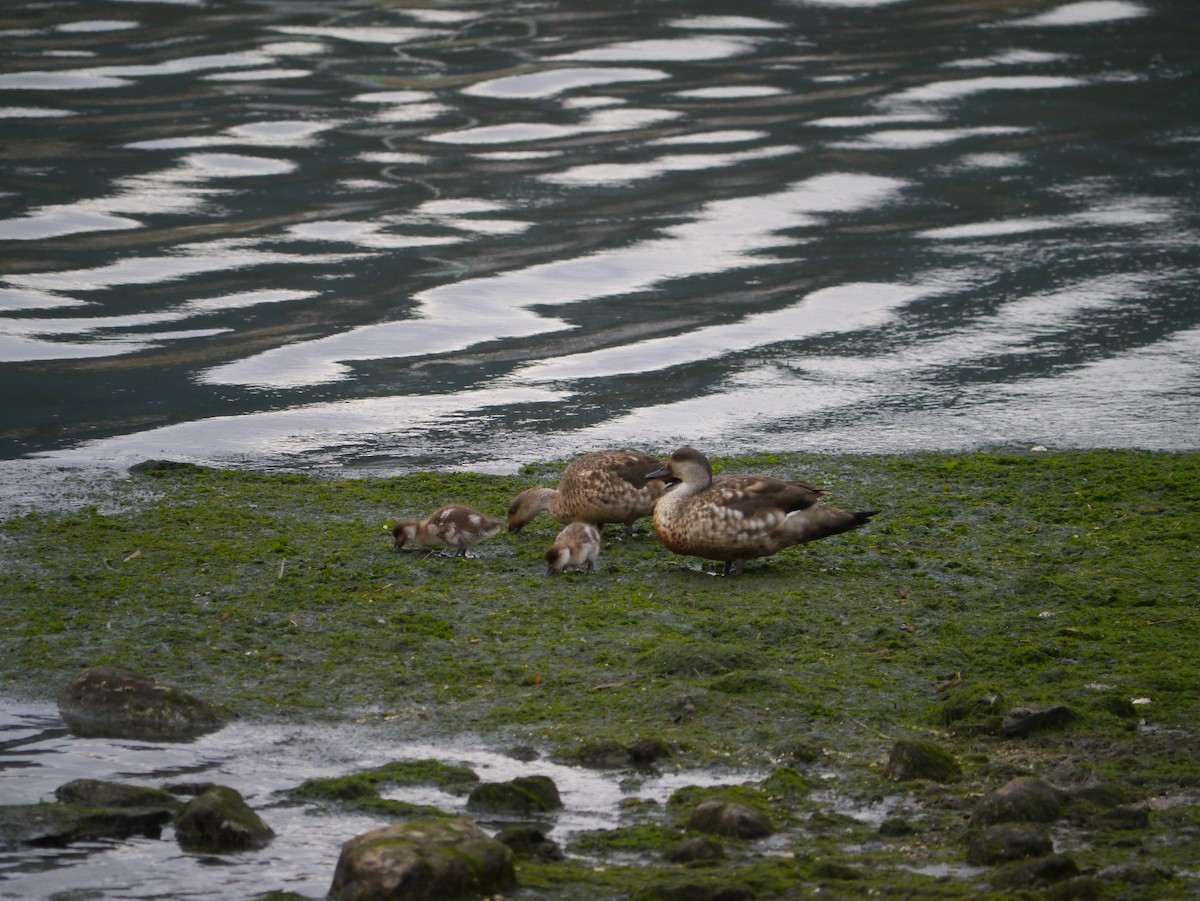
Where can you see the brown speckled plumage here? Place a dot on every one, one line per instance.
(603, 486)
(455, 526)
(576, 545)
(738, 518)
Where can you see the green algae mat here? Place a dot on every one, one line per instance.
(1065, 582)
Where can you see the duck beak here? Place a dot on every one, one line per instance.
(662, 473)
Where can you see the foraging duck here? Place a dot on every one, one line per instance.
(576, 545)
(603, 486)
(455, 526)
(738, 518)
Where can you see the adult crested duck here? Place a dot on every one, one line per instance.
(603, 486)
(576, 545)
(455, 526)
(738, 518)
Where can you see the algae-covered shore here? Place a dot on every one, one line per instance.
(991, 581)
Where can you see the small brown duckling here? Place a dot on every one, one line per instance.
(576, 545)
(454, 526)
(738, 518)
(607, 486)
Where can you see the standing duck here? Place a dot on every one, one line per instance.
(576, 545)
(603, 486)
(738, 518)
(454, 526)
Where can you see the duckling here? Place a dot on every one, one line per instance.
(455, 526)
(576, 545)
(738, 518)
(603, 486)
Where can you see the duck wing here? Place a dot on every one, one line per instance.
(752, 495)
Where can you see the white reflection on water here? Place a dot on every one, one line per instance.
(844, 308)
(692, 49)
(726, 235)
(958, 89)
(558, 81)
(624, 173)
(920, 138)
(279, 133)
(1088, 12)
(605, 120)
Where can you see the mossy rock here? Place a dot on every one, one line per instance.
(425, 860)
(220, 820)
(1024, 800)
(114, 702)
(920, 759)
(524, 795)
(98, 793)
(718, 816)
(1000, 844)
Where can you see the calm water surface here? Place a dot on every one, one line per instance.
(475, 234)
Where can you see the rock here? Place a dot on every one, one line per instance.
(1125, 816)
(695, 849)
(919, 759)
(220, 820)
(1023, 800)
(1024, 721)
(109, 701)
(530, 840)
(97, 793)
(973, 709)
(523, 795)
(609, 754)
(717, 816)
(63, 823)
(896, 827)
(694, 891)
(1036, 872)
(424, 860)
(156, 467)
(1137, 873)
(1101, 794)
(1000, 844)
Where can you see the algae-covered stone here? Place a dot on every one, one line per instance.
(1023, 721)
(425, 860)
(98, 793)
(695, 849)
(530, 840)
(110, 701)
(695, 891)
(523, 795)
(1000, 844)
(718, 816)
(920, 759)
(973, 709)
(220, 820)
(61, 824)
(1024, 800)
(1036, 872)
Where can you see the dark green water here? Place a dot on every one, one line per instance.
(394, 236)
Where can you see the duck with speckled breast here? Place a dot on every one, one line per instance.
(607, 486)
(739, 518)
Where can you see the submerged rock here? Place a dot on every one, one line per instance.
(523, 795)
(1037, 872)
(113, 702)
(425, 860)
(220, 820)
(1023, 800)
(920, 759)
(720, 817)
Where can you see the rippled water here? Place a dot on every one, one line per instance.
(395, 235)
(37, 754)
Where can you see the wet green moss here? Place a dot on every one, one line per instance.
(990, 581)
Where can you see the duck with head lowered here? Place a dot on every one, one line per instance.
(608, 486)
(455, 526)
(738, 518)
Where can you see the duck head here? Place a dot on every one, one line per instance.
(404, 531)
(685, 465)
